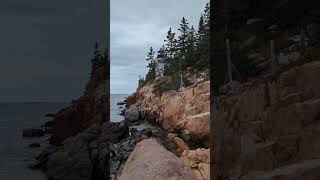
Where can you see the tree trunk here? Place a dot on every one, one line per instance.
(229, 59)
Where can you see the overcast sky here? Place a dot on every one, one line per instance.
(135, 26)
(46, 46)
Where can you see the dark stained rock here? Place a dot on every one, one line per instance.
(49, 124)
(31, 132)
(50, 115)
(121, 103)
(34, 145)
(48, 131)
(118, 131)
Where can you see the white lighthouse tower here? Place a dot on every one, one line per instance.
(161, 62)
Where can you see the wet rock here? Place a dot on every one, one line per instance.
(31, 132)
(42, 158)
(122, 112)
(50, 115)
(49, 124)
(121, 103)
(133, 131)
(118, 131)
(48, 131)
(34, 145)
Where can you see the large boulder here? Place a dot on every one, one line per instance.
(132, 113)
(150, 160)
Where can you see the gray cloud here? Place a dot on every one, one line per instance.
(46, 46)
(137, 25)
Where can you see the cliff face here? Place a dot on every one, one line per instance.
(82, 132)
(269, 128)
(186, 111)
(85, 111)
(185, 114)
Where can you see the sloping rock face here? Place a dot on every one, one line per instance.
(269, 129)
(150, 160)
(82, 131)
(85, 111)
(185, 110)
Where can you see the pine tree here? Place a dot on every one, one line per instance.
(171, 43)
(96, 59)
(96, 53)
(203, 42)
(182, 44)
(182, 41)
(150, 55)
(152, 65)
(201, 29)
(206, 17)
(190, 54)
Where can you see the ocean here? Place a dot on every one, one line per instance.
(15, 154)
(115, 110)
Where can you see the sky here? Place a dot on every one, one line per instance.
(46, 47)
(135, 26)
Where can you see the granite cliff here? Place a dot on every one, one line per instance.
(183, 114)
(80, 133)
(265, 123)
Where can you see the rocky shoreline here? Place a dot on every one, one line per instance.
(143, 126)
(99, 146)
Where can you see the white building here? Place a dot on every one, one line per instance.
(161, 62)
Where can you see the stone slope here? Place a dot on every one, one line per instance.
(90, 108)
(185, 114)
(187, 110)
(81, 133)
(266, 128)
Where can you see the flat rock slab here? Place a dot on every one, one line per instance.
(150, 160)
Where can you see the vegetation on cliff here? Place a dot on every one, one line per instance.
(91, 107)
(256, 38)
(186, 53)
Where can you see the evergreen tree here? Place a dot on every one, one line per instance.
(201, 29)
(182, 44)
(190, 54)
(96, 59)
(152, 65)
(182, 41)
(150, 55)
(203, 42)
(96, 53)
(171, 43)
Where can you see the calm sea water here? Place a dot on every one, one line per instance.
(115, 110)
(15, 155)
